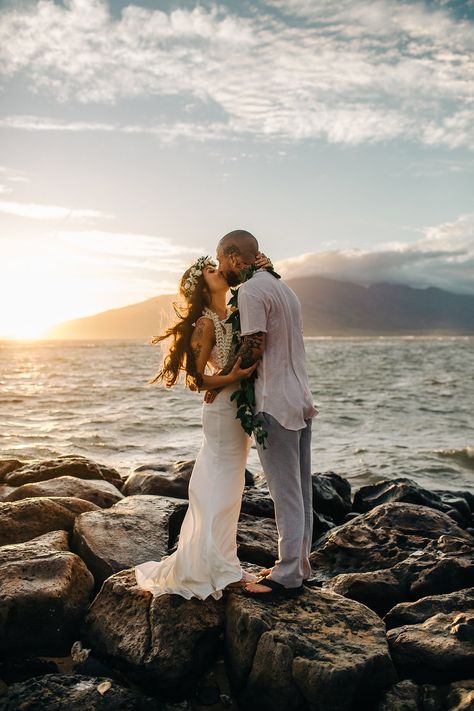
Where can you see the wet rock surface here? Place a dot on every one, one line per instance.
(98, 491)
(381, 538)
(136, 529)
(67, 465)
(25, 519)
(300, 653)
(164, 642)
(458, 505)
(67, 586)
(44, 593)
(441, 567)
(56, 692)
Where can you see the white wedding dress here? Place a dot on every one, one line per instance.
(205, 560)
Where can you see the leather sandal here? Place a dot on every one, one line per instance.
(277, 590)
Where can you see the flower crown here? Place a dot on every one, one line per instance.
(195, 272)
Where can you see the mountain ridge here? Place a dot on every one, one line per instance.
(330, 307)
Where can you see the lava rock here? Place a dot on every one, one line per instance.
(257, 540)
(67, 465)
(331, 495)
(44, 591)
(411, 613)
(170, 480)
(9, 465)
(441, 567)
(381, 538)
(319, 650)
(434, 651)
(56, 692)
(28, 518)
(165, 643)
(408, 491)
(100, 492)
(133, 531)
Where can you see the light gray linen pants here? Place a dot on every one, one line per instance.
(286, 463)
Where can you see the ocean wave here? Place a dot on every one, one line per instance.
(464, 456)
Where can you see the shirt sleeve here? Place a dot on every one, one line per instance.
(253, 312)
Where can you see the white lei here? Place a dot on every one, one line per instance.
(223, 337)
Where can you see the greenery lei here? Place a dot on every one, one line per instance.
(245, 395)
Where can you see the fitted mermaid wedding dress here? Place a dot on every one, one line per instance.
(205, 560)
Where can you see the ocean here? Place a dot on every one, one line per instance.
(388, 407)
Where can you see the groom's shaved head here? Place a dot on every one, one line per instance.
(241, 243)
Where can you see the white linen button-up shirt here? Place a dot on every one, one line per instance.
(281, 389)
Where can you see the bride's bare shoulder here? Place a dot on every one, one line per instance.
(203, 328)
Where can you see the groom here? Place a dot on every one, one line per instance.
(271, 327)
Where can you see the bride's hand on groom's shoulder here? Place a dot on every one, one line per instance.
(262, 261)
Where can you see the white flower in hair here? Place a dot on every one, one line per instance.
(195, 272)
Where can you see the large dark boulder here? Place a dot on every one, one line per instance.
(162, 642)
(381, 538)
(44, 592)
(331, 495)
(134, 530)
(28, 518)
(438, 650)
(405, 490)
(318, 651)
(412, 613)
(66, 465)
(441, 567)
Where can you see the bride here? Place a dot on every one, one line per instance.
(205, 562)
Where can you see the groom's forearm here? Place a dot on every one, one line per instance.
(251, 350)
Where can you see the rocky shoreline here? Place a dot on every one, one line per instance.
(385, 624)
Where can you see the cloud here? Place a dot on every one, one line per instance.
(442, 257)
(49, 212)
(349, 72)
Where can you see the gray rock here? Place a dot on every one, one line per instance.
(441, 567)
(318, 651)
(162, 642)
(331, 495)
(381, 538)
(134, 530)
(57, 692)
(22, 520)
(100, 492)
(66, 465)
(257, 540)
(411, 613)
(434, 651)
(44, 591)
(408, 491)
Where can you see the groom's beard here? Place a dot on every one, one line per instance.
(232, 278)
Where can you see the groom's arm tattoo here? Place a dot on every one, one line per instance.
(252, 348)
(250, 351)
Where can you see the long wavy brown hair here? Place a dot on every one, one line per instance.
(180, 356)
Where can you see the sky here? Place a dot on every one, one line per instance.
(135, 134)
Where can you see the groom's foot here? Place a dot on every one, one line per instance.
(268, 571)
(267, 588)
